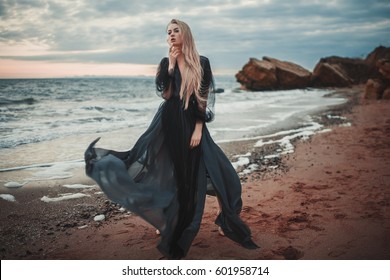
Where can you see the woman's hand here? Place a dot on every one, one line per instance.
(196, 135)
(174, 53)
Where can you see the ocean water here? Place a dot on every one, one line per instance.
(53, 120)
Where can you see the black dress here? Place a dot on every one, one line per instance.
(163, 180)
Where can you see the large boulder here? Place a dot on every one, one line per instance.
(386, 94)
(290, 75)
(378, 62)
(374, 89)
(343, 72)
(379, 53)
(272, 74)
(328, 75)
(379, 88)
(383, 66)
(257, 75)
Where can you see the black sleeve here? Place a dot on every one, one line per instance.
(207, 92)
(163, 79)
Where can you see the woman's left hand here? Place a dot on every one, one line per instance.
(196, 135)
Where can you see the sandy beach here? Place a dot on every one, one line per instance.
(330, 199)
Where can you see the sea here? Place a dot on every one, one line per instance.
(47, 121)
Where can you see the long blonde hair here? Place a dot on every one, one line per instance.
(192, 77)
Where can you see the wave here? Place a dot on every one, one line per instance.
(6, 102)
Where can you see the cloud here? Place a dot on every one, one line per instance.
(229, 32)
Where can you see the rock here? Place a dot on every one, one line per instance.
(386, 94)
(99, 218)
(271, 74)
(378, 53)
(356, 69)
(383, 66)
(219, 90)
(337, 71)
(257, 75)
(374, 89)
(328, 75)
(378, 87)
(8, 197)
(290, 75)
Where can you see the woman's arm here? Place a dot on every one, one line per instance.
(206, 92)
(163, 79)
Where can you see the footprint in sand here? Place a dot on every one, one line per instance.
(279, 195)
(132, 242)
(230, 254)
(343, 249)
(289, 253)
(148, 246)
(201, 244)
(339, 216)
(128, 224)
(150, 235)
(336, 253)
(123, 231)
(297, 221)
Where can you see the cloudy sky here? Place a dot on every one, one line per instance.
(48, 38)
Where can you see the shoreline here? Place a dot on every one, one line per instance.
(302, 209)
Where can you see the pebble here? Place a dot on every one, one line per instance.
(99, 218)
(8, 197)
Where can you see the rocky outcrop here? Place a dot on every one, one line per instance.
(386, 94)
(379, 53)
(378, 86)
(328, 75)
(258, 75)
(272, 74)
(339, 72)
(374, 89)
(290, 75)
(383, 67)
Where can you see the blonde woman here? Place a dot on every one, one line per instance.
(175, 163)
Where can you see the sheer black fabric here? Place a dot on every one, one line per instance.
(169, 83)
(164, 181)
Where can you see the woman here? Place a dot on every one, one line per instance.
(165, 177)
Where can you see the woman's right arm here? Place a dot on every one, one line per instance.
(164, 79)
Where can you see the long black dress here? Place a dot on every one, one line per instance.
(163, 180)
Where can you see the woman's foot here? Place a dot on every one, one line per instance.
(220, 231)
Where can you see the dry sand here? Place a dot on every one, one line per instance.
(328, 200)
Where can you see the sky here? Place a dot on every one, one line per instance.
(61, 38)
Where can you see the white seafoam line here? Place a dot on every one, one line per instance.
(285, 144)
(39, 165)
(66, 196)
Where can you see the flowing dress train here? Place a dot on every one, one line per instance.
(163, 180)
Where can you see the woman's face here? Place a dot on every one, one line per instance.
(175, 37)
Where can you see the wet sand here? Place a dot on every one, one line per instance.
(328, 200)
